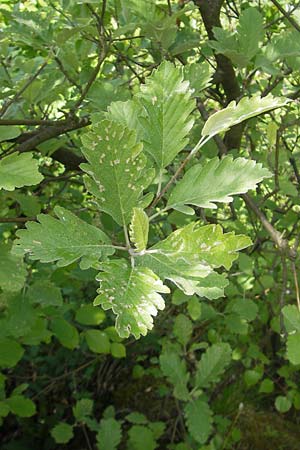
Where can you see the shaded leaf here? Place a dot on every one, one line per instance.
(212, 364)
(198, 417)
(174, 368)
(139, 229)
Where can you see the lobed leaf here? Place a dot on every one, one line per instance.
(116, 168)
(237, 113)
(64, 240)
(198, 416)
(212, 364)
(18, 170)
(133, 294)
(167, 102)
(216, 181)
(139, 229)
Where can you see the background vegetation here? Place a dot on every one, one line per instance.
(216, 372)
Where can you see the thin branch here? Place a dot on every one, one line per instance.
(286, 15)
(296, 284)
(23, 89)
(16, 219)
(31, 122)
(66, 74)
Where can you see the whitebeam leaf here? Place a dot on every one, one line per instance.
(139, 229)
(198, 417)
(216, 181)
(212, 364)
(237, 113)
(116, 168)
(133, 294)
(167, 102)
(189, 255)
(64, 240)
(18, 170)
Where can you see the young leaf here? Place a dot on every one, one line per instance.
(18, 170)
(139, 229)
(198, 417)
(216, 181)
(65, 239)
(167, 102)
(237, 113)
(188, 256)
(12, 270)
(212, 364)
(174, 368)
(133, 294)
(109, 434)
(291, 316)
(116, 169)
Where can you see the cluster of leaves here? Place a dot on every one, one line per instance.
(139, 303)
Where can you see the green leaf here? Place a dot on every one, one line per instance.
(188, 256)
(293, 348)
(83, 409)
(174, 368)
(243, 45)
(198, 418)
(118, 350)
(252, 377)
(212, 364)
(141, 437)
(250, 32)
(62, 433)
(116, 169)
(18, 170)
(245, 308)
(167, 102)
(139, 229)
(12, 270)
(216, 181)
(199, 76)
(65, 240)
(137, 418)
(194, 308)
(45, 293)
(65, 333)
(109, 434)
(4, 409)
(97, 341)
(266, 386)
(10, 353)
(21, 406)
(291, 316)
(283, 404)
(133, 294)
(183, 329)
(89, 315)
(237, 113)
(126, 113)
(9, 132)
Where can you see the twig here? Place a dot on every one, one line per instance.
(282, 295)
(286, 15)
(15, 219)
(296, 284)
(23, 89)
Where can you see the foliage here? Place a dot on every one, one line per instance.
(149, 183)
